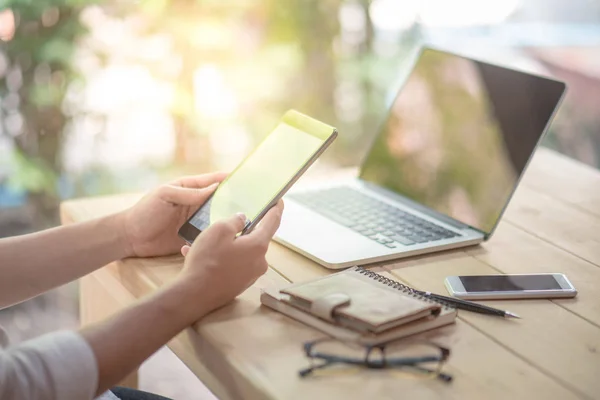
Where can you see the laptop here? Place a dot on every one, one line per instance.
(440, 172)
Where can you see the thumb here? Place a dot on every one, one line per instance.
(185, 250)
(236, 223)
(186, 196)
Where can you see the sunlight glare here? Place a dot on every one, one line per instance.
(230, 143)
(393, 15)
(7, 25)
(352, 17)
(212, 96)
(121, 87)
(465, 12)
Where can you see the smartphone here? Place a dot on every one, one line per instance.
(265, 175)
(525, 286)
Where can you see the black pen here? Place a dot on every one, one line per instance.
(470, 306)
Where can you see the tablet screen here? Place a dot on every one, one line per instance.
(261, 176)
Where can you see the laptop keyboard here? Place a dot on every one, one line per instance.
(371, 218)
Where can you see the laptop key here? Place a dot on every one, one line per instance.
(371, 217)
(403, 240)
(339, 218)
(419, 239)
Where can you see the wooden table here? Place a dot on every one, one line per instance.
(247, 351)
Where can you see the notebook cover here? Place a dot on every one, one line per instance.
(275, 300)
(374, 307)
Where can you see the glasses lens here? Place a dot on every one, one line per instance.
(416, 359)
(421, 359)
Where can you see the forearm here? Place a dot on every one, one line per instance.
(32, 264)
(124, 341)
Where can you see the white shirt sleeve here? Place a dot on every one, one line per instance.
(56, 366)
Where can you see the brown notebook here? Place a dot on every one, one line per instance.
(357, 304)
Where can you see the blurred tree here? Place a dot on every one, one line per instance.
(312, 26)
(329, 64)
(267, 55)
(33, 84)
(198, 34)
(242, 37)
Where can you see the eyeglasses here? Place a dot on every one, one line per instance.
(418, 359)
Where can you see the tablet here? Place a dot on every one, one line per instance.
(265, 175)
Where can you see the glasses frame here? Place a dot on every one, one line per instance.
(382, 362)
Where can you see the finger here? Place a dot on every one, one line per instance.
(236, 223)
(270, 223)
(186, 196)
(185, 250)
(200, 181)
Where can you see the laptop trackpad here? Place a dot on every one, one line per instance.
(324, 239)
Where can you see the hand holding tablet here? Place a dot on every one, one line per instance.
(262, 178)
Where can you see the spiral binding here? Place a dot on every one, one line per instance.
(418, 294)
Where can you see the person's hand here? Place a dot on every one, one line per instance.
(150, 227)
(219, 266)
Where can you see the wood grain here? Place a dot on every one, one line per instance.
(534, 338)
(564, 226)
(534, 255)
(565, 179)
(247, 351)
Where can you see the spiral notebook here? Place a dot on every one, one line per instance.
(361, 305)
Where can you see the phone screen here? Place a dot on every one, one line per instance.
(261, 176)
(509, 283)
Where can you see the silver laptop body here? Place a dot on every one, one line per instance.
(440, 173)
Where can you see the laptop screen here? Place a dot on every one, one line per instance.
(459, 134)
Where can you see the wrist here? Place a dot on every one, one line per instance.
(193, 299)
(120, 221)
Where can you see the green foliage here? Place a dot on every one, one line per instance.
(46, 95)
(272, 55)
(41, 50)
(31, 175)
